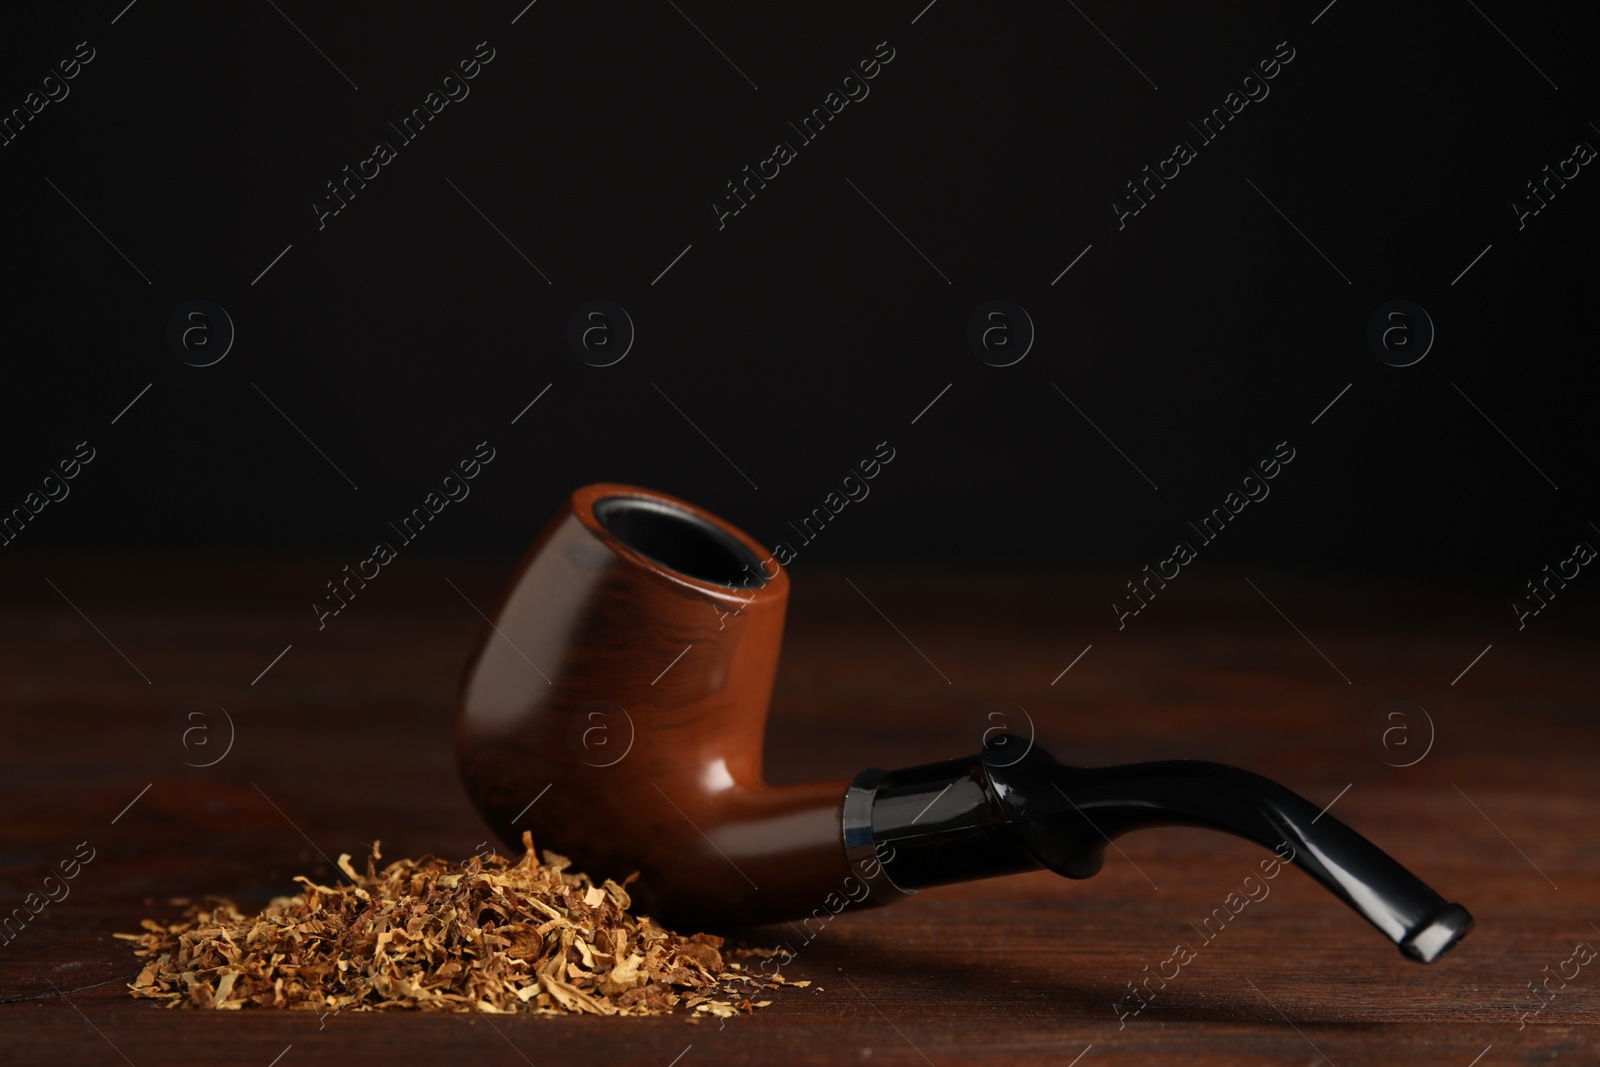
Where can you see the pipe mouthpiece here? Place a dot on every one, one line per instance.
(1438, 935)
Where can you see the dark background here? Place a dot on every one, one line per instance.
(182, 568)
(808, 330)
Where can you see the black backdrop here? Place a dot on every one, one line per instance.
(824, 317)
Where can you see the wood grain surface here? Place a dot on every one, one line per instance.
(346, 739)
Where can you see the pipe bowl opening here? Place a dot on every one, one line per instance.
(680, 541)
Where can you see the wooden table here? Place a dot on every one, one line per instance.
(345, 740)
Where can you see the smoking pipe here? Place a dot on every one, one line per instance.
(616, 705)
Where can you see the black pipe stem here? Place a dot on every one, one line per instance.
(1001, 813)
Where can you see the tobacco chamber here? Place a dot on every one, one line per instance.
(616, 707)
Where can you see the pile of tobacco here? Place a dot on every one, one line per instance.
(486, 935)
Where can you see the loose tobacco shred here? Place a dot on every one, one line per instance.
(487, 935)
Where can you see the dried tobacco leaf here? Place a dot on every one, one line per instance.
(487, 935)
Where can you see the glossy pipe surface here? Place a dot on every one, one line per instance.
(616, 707)
(617, 704)
(993, 814)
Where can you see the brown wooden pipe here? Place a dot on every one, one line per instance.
(616, 707)
(629, 694)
